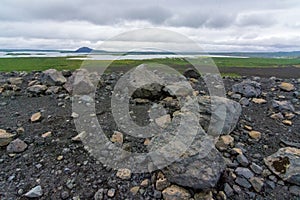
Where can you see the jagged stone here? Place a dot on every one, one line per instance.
(52, 77)
(37, 89)
(215, 110)
(283, 106)
(247, 88)
(285, 163)
(5, 137)
(35, 192)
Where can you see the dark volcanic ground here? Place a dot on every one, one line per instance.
(282, 72)
(65, 170)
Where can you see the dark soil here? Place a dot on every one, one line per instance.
(282, 72)
(79, 175)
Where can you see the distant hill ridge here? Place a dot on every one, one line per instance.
(278, 54)
(84, 50)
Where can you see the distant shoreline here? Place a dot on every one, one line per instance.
(63, 53)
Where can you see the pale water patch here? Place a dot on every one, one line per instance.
(146, 56)
(103, 56)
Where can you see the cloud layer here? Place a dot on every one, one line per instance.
(216, 25)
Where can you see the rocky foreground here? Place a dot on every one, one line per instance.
(254, 155)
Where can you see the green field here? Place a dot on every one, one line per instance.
(37, 63)
(60, 63)
(256, 62)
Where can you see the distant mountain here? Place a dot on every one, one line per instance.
(84, 50)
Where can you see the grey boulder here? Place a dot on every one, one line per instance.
(285, 163)
(218, 115)
(53, 77)
(191, 73)
(197, 172)
(199, 166)
(37, 89)
(283, 106)
(82, 82)
(247, 88)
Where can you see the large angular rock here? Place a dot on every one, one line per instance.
(53, 90)
(218, 115)
(286, 86)
(191, 73)
(182, 89)
(15, 80)
(247, 88)
(283, 106)
(149, 91)
(199, 166)
(53, 77)
(197, 172)
(37, 89)
(285, 163)
(81, 82)
(184, 152)
(150, 84)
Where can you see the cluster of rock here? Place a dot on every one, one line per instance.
(285, 162)
(250, 91)
(52, 81)
(200, 168)
(203, 173)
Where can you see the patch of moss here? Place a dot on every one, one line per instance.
(281, 164)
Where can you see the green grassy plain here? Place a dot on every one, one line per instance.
(60, 63)
(38, 63)
(256, 62)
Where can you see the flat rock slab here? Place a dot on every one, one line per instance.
(37, 89)
(286, 164)
(286, 86)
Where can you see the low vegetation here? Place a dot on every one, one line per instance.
(60, 63)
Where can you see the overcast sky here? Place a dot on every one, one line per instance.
(216, 25)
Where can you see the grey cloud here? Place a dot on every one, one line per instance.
(194, 20)
(202, 19)
(211, 14)
(153, 14)
(269, 42)
(232, 23)
(97, 12)
(256, 19)
(220, 21)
